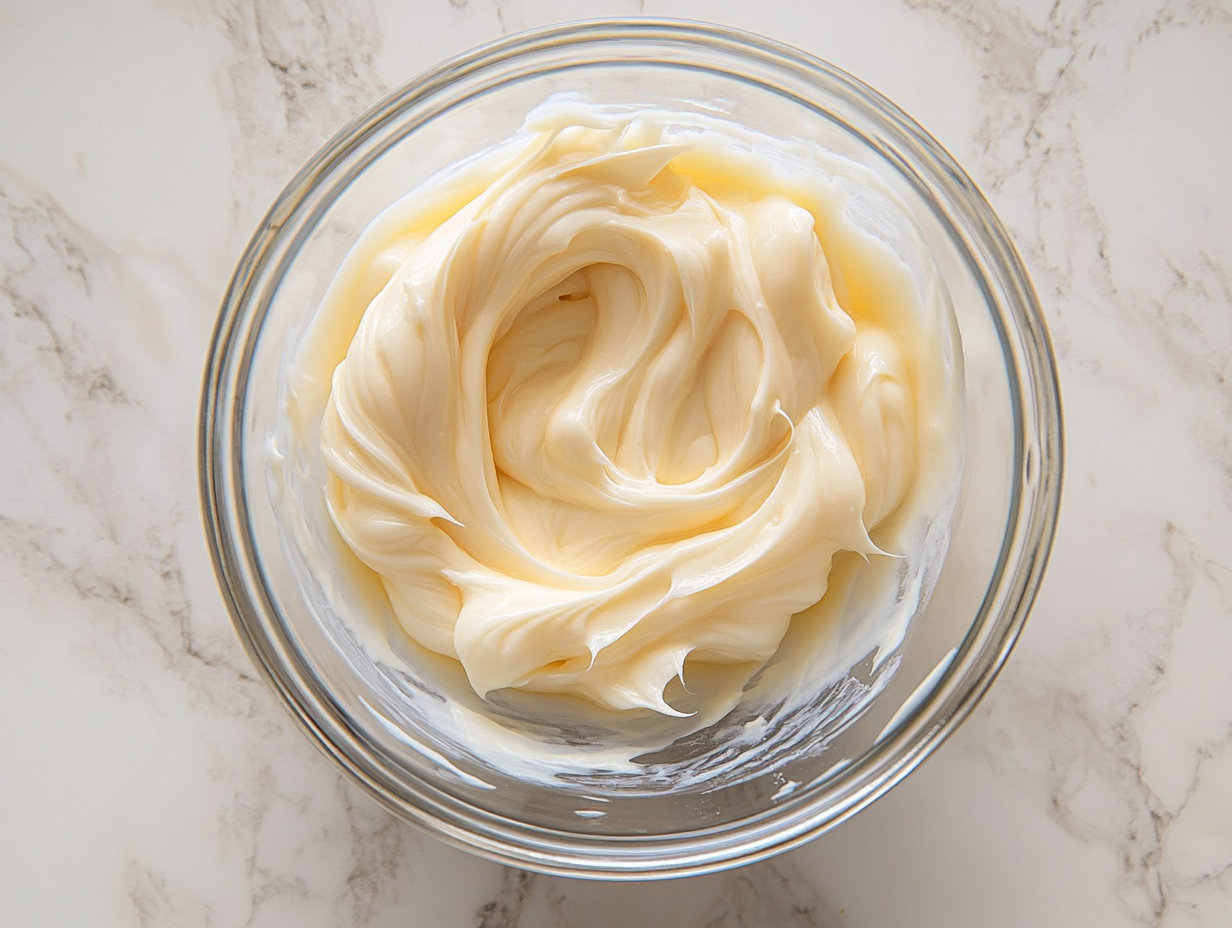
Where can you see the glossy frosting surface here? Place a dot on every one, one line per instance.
(607, 413)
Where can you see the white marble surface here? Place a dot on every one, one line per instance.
(147, 778)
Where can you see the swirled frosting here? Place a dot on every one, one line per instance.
(607, 414)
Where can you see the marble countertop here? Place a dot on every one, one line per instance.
(148, 778)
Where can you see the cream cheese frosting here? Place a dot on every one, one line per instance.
(618, 392)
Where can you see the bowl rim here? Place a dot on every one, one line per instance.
(1038, 457)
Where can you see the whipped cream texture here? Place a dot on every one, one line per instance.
(618, 392)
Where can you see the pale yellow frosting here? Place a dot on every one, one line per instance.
(614, 407)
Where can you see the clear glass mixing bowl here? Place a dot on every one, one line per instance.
(766, 778)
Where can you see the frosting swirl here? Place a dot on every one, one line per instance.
(608, 416)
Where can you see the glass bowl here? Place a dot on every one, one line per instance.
(763, 779)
